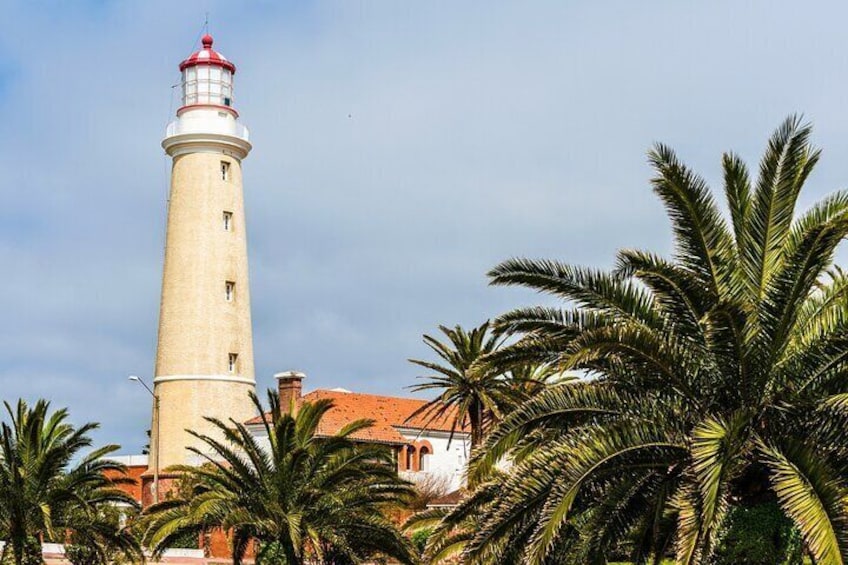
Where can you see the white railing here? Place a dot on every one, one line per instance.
(53, 548)
(242, 132)
(175, 552)
(177, 127)
(130, 460)
(180, 552)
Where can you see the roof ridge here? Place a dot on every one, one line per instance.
(350, 392)
(389, 413)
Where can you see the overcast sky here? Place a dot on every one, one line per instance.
(401, 149)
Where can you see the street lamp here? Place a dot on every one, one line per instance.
(138, 379)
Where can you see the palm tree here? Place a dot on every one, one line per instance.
(302, 497)
(449, 530)
(469, 397)
(526, 380)
(718, 379)
(45, 495)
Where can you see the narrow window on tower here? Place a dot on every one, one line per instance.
(232, 362)
(230, 290)
(228, 221)
(225, 170)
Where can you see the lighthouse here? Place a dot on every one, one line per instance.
(204, 357)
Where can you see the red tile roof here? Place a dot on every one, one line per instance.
(388, 413)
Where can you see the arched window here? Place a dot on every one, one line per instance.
(424, 458)
(410, 458)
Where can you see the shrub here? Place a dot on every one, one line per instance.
(759, 535)
(32, 553)
(419, 539)
(269, 553)
(187, 540)
(82, 555)
(429, 488)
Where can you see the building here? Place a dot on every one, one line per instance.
(204, 356)
(423, 449)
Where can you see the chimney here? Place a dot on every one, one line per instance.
(289, 386)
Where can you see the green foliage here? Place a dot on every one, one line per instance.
(188, 540)
(31, 553)
(760, 535)
(47, 487)
(476, 398)
(307, 498)
(270, 553)
(663, 562)
(719, 379)
(86, 547)
(83, 555)
(184, 489)
(419, 539)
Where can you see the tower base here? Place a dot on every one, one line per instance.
(168, 485)
(215, 543)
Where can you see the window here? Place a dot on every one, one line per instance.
(228, 221)
(232, 362)
(225, 170)
(230, 291)
(424, 459)
(410, 458)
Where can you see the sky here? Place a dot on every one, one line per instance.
(401, 150)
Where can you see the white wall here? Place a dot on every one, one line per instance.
(444, 462)
(258, 432)
(129, 460)
(448, 462)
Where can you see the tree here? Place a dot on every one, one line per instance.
(446, 532)
(44, 495)
(91, 542)
(474, 398)
(717, 379)
(302, 497)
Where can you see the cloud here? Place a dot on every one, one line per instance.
(401, 150)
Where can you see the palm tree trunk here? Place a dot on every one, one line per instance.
(18, 542)
(25, 550)
(476, 417)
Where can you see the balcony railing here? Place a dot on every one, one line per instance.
(178, 127)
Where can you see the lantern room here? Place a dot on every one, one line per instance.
(207, 78)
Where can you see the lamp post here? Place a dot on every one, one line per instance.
(138, 379)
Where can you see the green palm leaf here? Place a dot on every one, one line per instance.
(308, 495)
(715, 379)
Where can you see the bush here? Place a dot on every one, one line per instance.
(82, 555)
(268, 553)
(759, 535)
(419, 539)
(187, 540)
(429, 488)
(32, 553)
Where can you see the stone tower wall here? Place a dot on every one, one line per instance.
(199, 327)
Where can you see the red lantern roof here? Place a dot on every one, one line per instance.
(207, 56)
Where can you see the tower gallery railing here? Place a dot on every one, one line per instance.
(178, 127)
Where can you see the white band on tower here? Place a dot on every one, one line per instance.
(227, 378)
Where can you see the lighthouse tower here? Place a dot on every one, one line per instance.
(204, 358)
